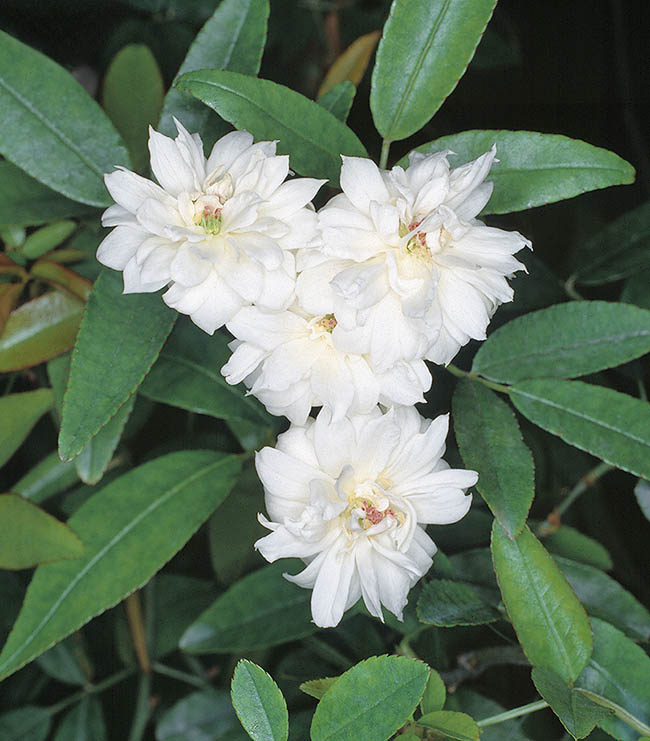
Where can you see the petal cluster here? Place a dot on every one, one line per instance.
(351, 498)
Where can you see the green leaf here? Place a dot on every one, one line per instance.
(47, 238)
(635, 291)
(48, 477)
(452, 725)
(58, 134)
(312, 136)
(490, 442)
(604, 422)
(85, 722)
(132, 98)
(178, 601)
(39, 330)
(18, 415)
(29, 535)
(606, 599)
(339, 99)
(618, 673)
(130, 529)
(317, 687)
(551, 624)
(64, 661)
(262, 609)
(25, 202)
(425, 48)
(563, 341)
(93, 460)
(186, 375)
(619, 250)
(535, 169)
(642, 494)
(434, 695)
(570, 543)
(349, 710)
(30, 722)
(576, 713)
(480, 707)
(119, 340)
(259, 703)
(200, 716)
(233, 38)
(448, 603)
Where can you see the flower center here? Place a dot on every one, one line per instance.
(369, 504)
(327, 322)
(207, 213)
(322, 326)
(417, 242)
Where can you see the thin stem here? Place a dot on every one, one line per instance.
(514, 713)
(642, 392)
(588, 480)
(246, 455)
(570, 289)
(142, 708)
(91, 690)
(138, 632)
(455, 371)
(169, 671)
(383, 159)
(196, 667)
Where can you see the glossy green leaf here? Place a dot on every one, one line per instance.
(535, 169)
(132, 97)
(642, 494)
(606, 599)
(55, 131)
(635, 291)
(179, 600)
(47, 238)
(619, 250)
(30, 722)
(58, 276)
(29, 535)
(348, 711)
(577, 714)
(39, 330)
(425, 49)
(448, 603)
(48, 477)
(351, 64)
(618, 673)
(564, 341)
(200, 716)
(490, 442)
(312, 136)
(339, 99)
(18, 415)
(452, 724)
(9, 295)
(233, 38)
(119, 340)
(84, 722)
(66, 661)
(93, 460)
(604, 422)
(479, 708)
(550, 622)
(317, 687)
(570, 543)
(262, 609)
(187, 375)
(434, 695)
(259, 703)
(26, 202)
(129, 528)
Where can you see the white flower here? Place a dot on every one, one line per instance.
(291, 363)
(350, 499)
(410, 271)
(220, 232)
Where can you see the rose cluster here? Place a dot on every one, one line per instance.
(338, 309)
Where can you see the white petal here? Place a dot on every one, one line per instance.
(120, 246)
(331, 590)
(133, 282)
(130, 190)
(188, 268)
(169, 166)
(292, 196)
(362, 183)
(227, 149)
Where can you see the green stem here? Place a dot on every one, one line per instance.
(142, 708)
(514, 713)
(169, 671)
(570, 289)
(588, 480)
(138, 630)
(455, 371)
(383, 159)
(91, 690)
